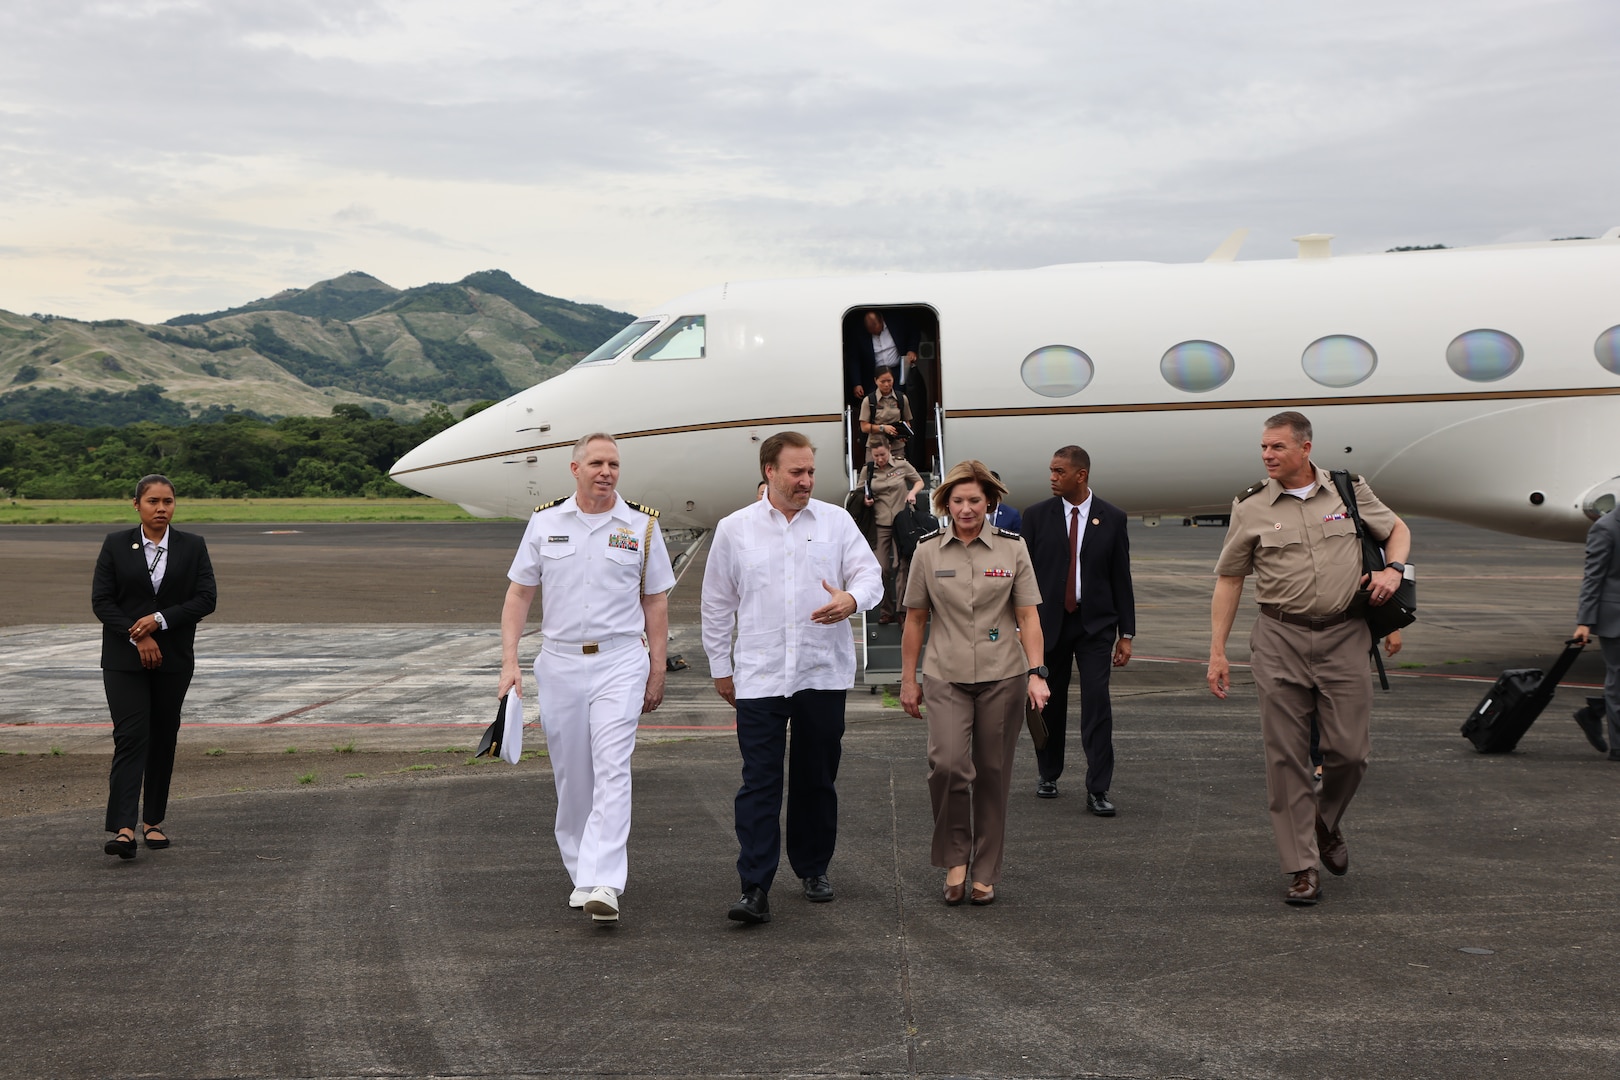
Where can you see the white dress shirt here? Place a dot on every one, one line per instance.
(1080, 539)
(884, 354)
(764, 578)
(589, 573)
(157, 563)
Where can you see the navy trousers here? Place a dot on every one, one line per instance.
(817, 720)
(1093, 654)
(145, 707)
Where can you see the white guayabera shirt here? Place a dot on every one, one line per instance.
(764, 577)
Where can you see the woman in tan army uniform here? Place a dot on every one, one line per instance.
(983, 667)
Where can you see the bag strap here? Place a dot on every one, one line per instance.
(1347, 491)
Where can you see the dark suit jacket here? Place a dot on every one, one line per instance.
(1600, 586)
(122, 593)
(1008, 517)
(1106, 596)
(860, 366)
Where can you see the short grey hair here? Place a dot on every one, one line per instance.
(1293, 421)
(586, 440)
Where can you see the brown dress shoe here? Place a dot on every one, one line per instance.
(955, 894)
(1332, 849)
(982, 897)
(1306, 889)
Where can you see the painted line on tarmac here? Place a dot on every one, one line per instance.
(1393, 674)
(332, 700)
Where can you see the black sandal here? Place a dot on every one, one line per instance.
(146, 835)
(121, 846)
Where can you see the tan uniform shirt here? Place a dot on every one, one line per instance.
(971, 590)
(889, 488)
(1303, 553)
(883, 410)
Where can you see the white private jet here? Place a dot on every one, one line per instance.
(1479, 384)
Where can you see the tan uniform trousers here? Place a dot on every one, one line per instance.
(1302, 673)
(972, 734)
(888, 556)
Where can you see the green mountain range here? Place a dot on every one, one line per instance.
(351, 340)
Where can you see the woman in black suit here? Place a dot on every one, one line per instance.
(152, 586)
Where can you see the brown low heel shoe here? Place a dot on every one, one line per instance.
(955, 894)
(982, 897)
(1306, 888)
(1332, 850)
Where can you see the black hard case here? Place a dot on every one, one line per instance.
(1500, 720)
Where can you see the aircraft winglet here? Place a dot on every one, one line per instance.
(1228, 250)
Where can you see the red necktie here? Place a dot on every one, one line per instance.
(1070, 603)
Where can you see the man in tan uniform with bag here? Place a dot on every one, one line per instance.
(1309, 647)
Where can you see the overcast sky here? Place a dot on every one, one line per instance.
(166, 156)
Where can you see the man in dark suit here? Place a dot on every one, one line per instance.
(1082, 560)
(877, 343)
(152, 585)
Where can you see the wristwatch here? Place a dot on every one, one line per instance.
(1041, 671)
(1398, 567)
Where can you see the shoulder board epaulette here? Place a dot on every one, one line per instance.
(1253, 489)
(549, 505)
(1008, 533)
(648, 510)
(930, 535)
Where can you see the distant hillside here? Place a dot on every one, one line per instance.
(351, 340)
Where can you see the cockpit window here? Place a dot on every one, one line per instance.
(621, 341)
(683, 340)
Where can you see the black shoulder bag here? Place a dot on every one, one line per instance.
(1399, 610)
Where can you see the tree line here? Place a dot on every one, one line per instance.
(236, 456)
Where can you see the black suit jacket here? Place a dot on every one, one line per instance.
(1106, 596)
(860, 365)
(122, 593)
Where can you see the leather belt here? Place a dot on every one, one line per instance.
(1312, 622)
(591, 648)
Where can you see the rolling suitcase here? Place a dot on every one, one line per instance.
(1499, 721)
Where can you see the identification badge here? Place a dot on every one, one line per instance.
(559, 539)
(944, 573)
(996, 573)
(995, 633)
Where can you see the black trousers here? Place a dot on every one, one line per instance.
(145, 708)
(817, 719)
(1093, 654)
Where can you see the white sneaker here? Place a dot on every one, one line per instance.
(577, 898)
(603, 905)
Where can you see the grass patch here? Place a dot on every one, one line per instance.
(1464, 660)
(448, 750)
(345, 748)
(307, 778)
(1410, 666)
(57, 751)
(290, 750)
(530, 754)
(203, 511)
(218, 751)
(354, 776)
(418, 768)
(891, 700)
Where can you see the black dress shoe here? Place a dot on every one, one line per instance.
(1592, 727)
(1097, 802)
(121, 846)
(752, 907)
(818, 890)
(1046, 789)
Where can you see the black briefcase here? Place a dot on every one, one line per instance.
(1499, 721)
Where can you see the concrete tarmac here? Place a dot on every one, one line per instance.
(418, 928)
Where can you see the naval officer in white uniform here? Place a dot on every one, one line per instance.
(605, 576)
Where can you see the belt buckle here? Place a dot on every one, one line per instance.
(590, 648)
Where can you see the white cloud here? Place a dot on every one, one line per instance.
(160, 157)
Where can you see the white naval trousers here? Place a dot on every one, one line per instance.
(589, 706)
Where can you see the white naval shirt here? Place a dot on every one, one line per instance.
(590, 578)
(764, 577)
